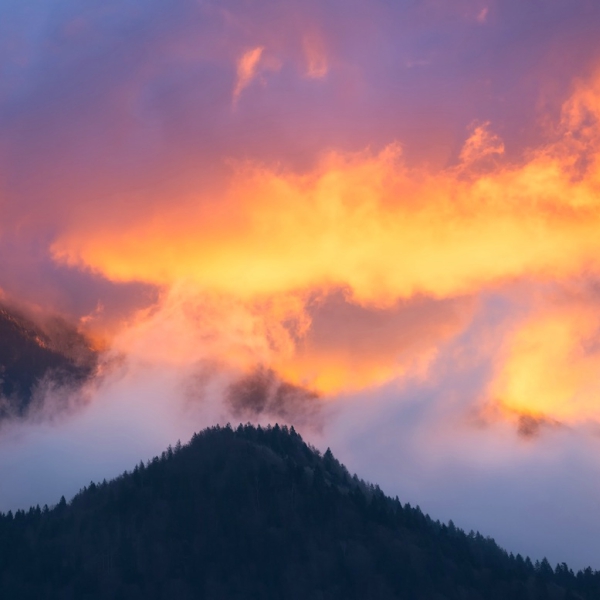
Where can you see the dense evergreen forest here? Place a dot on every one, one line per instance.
(255, 513)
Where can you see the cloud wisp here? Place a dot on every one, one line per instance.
(246, 69)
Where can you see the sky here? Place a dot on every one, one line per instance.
(378, 221)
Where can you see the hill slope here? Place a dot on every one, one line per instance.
(256, 513)
(31, 355)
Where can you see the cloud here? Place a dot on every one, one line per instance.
(261, 393)
(323, 341)
(246, 69)
(481, 144)
(530, 426)
(548, 367)
(268, 240)
(344, 346)
(362, 194)
(366, 221)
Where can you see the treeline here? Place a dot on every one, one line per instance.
(255, 513)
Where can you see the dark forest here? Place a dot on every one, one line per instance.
(256, 513)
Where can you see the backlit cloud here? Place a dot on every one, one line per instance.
(384, 231)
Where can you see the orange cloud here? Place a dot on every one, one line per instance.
(551, 365)
(253, 252)
(363, 221)
(349, 347)
(480, 145)
(322, 342)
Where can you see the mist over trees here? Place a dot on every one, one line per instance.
(256, 513)
(34, 358)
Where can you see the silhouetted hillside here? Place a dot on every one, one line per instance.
(255, 513)
(31, 355)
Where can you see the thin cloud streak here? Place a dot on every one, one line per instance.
(246, 69)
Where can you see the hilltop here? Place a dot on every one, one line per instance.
(257, 513)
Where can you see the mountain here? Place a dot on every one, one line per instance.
(32, 356)
(256, 513)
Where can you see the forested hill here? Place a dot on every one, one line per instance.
(32, 356)
(255, 513)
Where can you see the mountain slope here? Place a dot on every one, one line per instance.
(31, 355)
(256, 513)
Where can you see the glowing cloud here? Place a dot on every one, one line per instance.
(380, 190)
(481, 144)
(367, 222)
(246, 69)
(551, 363)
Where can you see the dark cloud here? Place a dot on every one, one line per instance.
(529, 426)
(263, 394)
